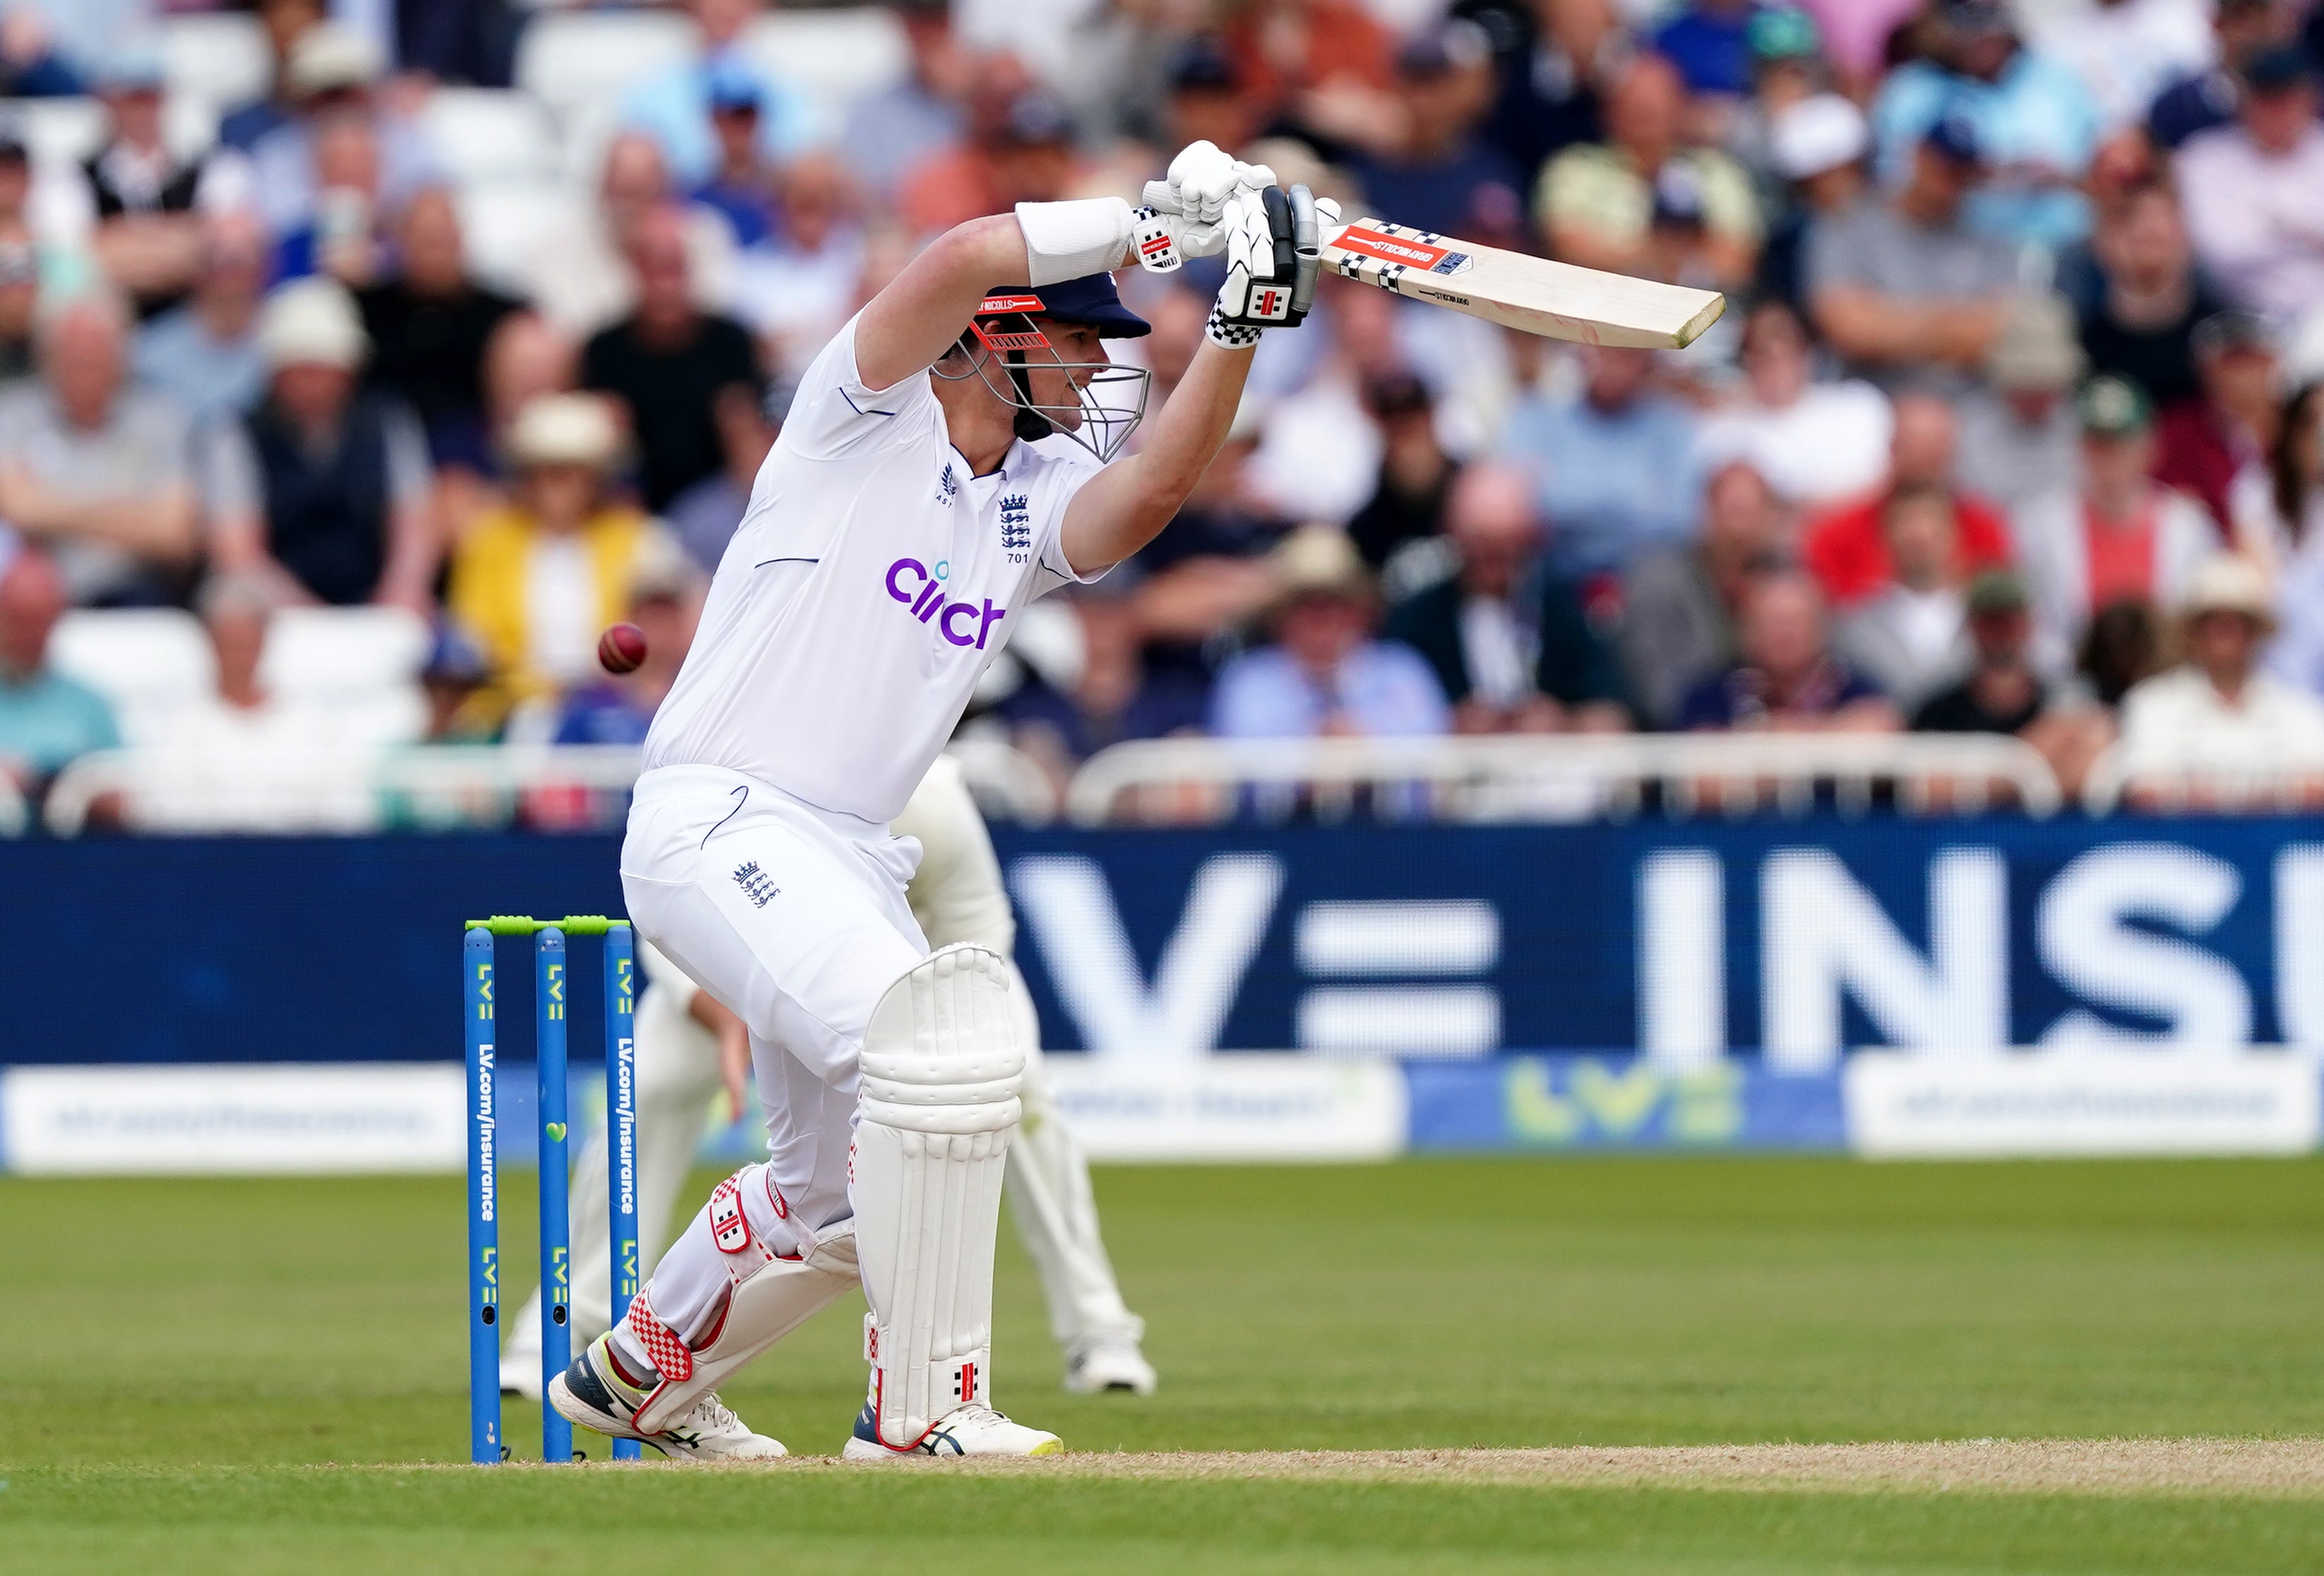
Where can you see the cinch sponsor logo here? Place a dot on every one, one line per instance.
(921, 589)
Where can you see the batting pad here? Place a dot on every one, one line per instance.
(941, 1063)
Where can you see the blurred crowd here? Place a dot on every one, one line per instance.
(2012, 425)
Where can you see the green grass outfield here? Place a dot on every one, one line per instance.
(250, 1376)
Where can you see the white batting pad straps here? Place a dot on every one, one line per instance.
(942, 1065)
(1066, 240)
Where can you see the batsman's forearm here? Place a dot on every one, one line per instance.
(1125, 506)
(911, 322)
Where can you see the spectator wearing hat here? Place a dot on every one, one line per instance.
(2207, 96)
(1786, 678)
(324, 488)
(2004, 692)
(1324, 675)
(1680, 603)
(2018, 430)
(204, 354)
(1846, 547)
(1783, 53)
(2118, 535)
(2203, 444)
(141, 198)
(538, 580)
(1416, 473)
(892, 128)
(1900, 286)
(742, 182)
(1709, 40)
(1814, 443)
(330, 77)
(1596, 203)
(1439, 174)
(1619, 466)
(429, 322)
(675, 105)
(2034, 123)
(2219, 712)
(671, 363)
(1511, 646)
(93, 466)
(1909, 637)
(2140, 324)
(47, 721)
(453, 679)
(1816, 147)
(665, 601)
(2250, 190)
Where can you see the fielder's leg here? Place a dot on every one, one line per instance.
(1049, 1195)
(941, 1069)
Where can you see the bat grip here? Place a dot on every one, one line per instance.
(1161, 199)
(1305, 247)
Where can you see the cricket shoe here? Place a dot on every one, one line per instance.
(1107, 1363)
(594, 1395)
(972, 1430)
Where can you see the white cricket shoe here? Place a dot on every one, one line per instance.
(1106, 1363)
(592, 1395)
(972, 1430)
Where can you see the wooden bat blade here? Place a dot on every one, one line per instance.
(1533, 294)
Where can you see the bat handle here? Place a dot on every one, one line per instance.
(1161, 199)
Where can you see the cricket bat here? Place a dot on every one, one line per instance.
(1533, 294)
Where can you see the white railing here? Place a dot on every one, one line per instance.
(2179, 788)
(429, 786)
(1569, 778)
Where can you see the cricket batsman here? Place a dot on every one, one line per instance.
(950, 455)
(687, 1044)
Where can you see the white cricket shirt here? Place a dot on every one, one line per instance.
(872, 580)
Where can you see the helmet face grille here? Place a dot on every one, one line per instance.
(1110, 399)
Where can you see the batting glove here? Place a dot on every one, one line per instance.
(1274, 254)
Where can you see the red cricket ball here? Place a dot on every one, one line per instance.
(621, 648)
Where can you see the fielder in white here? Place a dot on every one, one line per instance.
(949, 456)
(688, 1045)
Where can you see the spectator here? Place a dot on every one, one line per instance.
(2206, 442)
(1595, 204)
(142, 197)
(1024, 153)
(332, 74)
(1909, 637)
(2125, 51)
(1618, 466)
(1680, 603)
(674, 106)
(2219, 712)
(204, 354)
(2122, 538)
(285, 21)
(428, 327)
(1205, 100)
(20, 299)
(1438, 175)
(2001, 693)
(321, 491)
(1904, 290)
(46, 719)
(468, 41)
(1847, 549)
(1812, 442)
(344, 236)
(1863, 37)
(2250, 190)
(1324, 69)
(580, 279)
(527, 357)
(665, 601)
(1512, 647)
(537, 581)
(1709, 41)
(795, 289)
(2278, 507)
(1414, 472)
(95, 467)
(703, 518)
(2122, 645)
(669, 362)
(2017, 430)
(891, 130)
(2207, 97)
(1786, 69)
(1787, 680)
(2143, 325)
(2029, 117)
(1817, 146)
(742, 183)
(1555, 60)
(1324, 675)
(455, 681)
